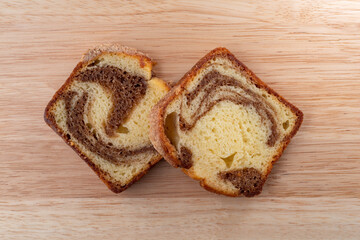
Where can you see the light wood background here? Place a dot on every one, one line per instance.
(308, 51)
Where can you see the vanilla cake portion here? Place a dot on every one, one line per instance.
(102, 113)
(223, 126)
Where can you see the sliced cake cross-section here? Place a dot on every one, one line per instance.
(223, 126)
(102, 113)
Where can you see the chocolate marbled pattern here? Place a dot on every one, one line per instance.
(214, 83)
(126, 91)
(249, 181)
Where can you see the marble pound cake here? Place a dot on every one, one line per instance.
(223, 126)
(102, 113)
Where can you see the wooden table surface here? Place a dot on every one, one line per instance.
(308, 51)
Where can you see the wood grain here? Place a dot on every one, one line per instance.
(308, 51)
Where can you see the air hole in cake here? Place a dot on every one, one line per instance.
(229, 160)
(94, 63)
(286, 124)
(94, 134)
(122, 129)
(171, 128)
(89, 126)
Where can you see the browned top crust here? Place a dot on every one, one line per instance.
(157, 131)
(111, 48)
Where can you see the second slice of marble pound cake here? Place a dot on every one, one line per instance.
(102, 113)
(223, 126)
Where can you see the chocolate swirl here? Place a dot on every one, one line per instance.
(214, 88)
(249, 181)
(126, 89)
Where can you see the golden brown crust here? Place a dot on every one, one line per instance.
(157, 131)
(113, 48)
(116, 187)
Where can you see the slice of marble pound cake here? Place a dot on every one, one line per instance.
(223, 126)
(102, 113)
